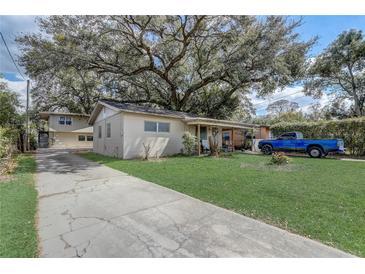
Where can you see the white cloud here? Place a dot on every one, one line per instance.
(293, 94)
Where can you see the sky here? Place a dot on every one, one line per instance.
(325, 27)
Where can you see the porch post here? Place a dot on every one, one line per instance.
(252, 145)
(198, 137)
(232, 140)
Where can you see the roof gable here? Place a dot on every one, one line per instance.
(146, 109)
(133, 108)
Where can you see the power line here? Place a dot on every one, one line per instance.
(11, 56)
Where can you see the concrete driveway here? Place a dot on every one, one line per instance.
(89, 210)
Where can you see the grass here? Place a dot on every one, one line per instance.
(18, 204)
(323, 199)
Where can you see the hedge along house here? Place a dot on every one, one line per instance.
(124, 130)
(65, 130)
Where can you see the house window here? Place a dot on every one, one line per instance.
(150, 126)
(81, 138)
(89, 138)
(61, 120)
(163, 127)
(68, 121)
(108, 130)
(99, 132)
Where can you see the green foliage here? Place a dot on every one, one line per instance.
(279, 158)
(18, 207)
(340, 69)
(199, 64)
(289, 117)
(9, 102)
(352, 131)
(189, 142)
(8, 139)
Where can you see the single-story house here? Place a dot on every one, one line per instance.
(123, 130)
(65, 130)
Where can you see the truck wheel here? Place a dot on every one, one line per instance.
(266, 149)
(315, 152)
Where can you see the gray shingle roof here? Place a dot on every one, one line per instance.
(147, 109)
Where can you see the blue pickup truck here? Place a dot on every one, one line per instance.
(294, 141)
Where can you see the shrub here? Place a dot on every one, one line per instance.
(279, 158)
(352, 131)
(33, 142)
(8, 138)
(189, 142)
(147, 151)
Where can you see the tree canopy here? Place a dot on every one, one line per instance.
(340, 70)
(200, 64)
(9, 104)
(282, 106)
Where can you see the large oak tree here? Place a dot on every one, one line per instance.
(200, 64)
(340, 70)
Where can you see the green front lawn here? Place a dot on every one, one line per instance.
(322, 199)
(18, 203)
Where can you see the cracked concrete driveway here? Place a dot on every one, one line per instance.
(89, 210)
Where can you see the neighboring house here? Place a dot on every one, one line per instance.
(122, 130)
(65, 130)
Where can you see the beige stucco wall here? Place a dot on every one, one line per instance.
(78, 123)
(112, 146)
(105, 113)
(128, 135)
(69, 140)
(162, 144)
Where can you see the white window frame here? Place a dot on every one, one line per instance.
(100, 132)
(108, 126)
(144, 126)
(68, 118)
(62, 120)
(157, 127)
(78, 138)
(88, 136)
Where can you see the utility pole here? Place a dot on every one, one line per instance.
(27, 118)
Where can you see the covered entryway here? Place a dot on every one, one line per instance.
(229, 135)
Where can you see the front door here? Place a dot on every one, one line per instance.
(226, 137)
